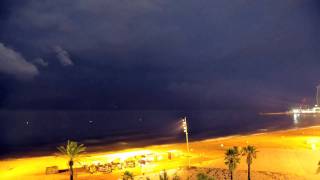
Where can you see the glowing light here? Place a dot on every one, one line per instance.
(295, 111)
(296, 118)
(313, 110)
(125, 155)
(313, 143)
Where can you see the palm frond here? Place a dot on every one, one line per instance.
(72, 149)
(232, 158)
(62, 150)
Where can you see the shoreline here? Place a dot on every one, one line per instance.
(50, 149)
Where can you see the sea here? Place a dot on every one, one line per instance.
(22, 131)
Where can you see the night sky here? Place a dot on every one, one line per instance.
(158, 54)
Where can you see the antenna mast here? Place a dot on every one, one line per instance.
(318, 93)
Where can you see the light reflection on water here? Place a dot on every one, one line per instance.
(305, 120)
(296, 118)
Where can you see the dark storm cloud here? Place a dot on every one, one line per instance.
(166, 54)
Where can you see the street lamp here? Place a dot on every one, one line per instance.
(185, 130)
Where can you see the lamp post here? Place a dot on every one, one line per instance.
(185, 130)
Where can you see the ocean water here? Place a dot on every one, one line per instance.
(24, 129)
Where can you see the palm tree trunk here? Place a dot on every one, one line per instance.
(71, 169)
(249, 172)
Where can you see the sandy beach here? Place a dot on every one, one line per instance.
(289, 154)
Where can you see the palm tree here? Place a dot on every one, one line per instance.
(71, 150)
(175, 177)
(164, 175)
(127, 175)
(232, 159)
(251, 153)
(318, 170)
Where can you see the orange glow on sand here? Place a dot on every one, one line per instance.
(282, 151)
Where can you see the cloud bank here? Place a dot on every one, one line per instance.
(214, 53)
(13, 63)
